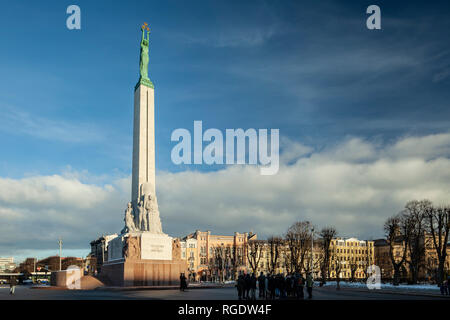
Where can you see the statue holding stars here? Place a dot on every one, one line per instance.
(144, 52)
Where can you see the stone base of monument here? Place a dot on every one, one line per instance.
(144, 259)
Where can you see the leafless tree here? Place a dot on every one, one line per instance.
(254, 254)
(218, 261)
(236, 259)
(336, 265)
(396, 229)
(298, 238)
(274, 244)
(327, 234)
(414, 215)
(353, 264)
(366, 259)
(285, 253)
(438, 225)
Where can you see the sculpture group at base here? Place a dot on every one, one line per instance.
(144, 215)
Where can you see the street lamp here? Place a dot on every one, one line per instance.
(60, 250)
(312, 249)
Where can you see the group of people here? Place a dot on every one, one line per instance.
(274, 286)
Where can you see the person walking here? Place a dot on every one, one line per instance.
(277, 284)
(262, 285)
(272, 287)
(183, 283)
(253, 287)
(266, 284)
(444, 287)
(300, 287)
(248, 284)
(309, 284)
(12, 285)
(282, 286)
(240, 286)
(288, 285)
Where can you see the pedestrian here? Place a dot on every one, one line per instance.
(266, 284)
(240, 286)
(262, 285)
(183, 284)
(444, 288)
(294, 279)
(277, 284)
(309, 284)
(300, 287)
(283, 286)
(272, 287)
(12, 285)
(288, 285)
(248, 284)
(253, 287)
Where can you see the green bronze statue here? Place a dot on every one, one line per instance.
(144, 53)
(143, 63)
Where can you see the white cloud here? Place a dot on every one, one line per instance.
(354, 186)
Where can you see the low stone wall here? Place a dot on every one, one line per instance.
(66, 278)
(144, 272)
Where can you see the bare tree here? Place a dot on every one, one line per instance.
(254, 254)
(218, 261)
(327, 234)
(414, 215)
(298, 238)
(274, 244)
(353, 264)
(336, 265)
(396, 230)
(366, 259)
(287, 261)
(236, 259)
(438, 224)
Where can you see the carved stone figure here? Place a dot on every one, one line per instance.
(131, 248)
(142, 217)
(154, 221)
(129, 219)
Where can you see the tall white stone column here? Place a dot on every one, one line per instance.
(143, 141)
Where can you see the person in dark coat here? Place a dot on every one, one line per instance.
(309, 284)
(294, 279)
(253, 287)
(262, 285)
(300, 287)
(282, 286)
(248, 284)
(288, 286)
(183, 283)
(240, 286)
(272, 287)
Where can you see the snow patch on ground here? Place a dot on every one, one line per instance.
(388, 286)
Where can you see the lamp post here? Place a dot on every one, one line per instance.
(60, 251)
(312, 249)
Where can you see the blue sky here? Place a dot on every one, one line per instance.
(310, 68)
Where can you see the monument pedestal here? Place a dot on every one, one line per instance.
(144, 259)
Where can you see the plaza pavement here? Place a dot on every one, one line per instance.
(225, 293)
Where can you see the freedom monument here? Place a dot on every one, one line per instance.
(143, 255)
